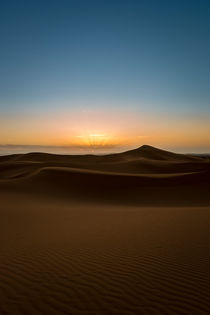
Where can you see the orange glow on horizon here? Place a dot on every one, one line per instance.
(107, 130)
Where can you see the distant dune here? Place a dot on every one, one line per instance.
(119, 234)
(131, 177)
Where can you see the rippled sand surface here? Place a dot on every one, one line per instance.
(71, 258)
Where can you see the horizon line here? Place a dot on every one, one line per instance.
(87, 148)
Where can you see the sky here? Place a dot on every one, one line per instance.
(104, 76)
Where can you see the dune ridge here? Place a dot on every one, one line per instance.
(128, 178)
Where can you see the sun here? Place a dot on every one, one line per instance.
(94, 139)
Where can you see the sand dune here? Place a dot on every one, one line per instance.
(125, 233)
(114, 188)
(131, 177)
(144, 151)
(145, 159)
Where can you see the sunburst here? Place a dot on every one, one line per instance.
(94, 139)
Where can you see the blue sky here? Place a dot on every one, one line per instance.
(150, 56)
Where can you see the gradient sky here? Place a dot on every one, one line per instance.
(104, 75)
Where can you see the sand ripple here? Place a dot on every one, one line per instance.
(71, 259)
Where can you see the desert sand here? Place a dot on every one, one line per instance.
(126, 233)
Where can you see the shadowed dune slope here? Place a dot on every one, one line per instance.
(143, 152)
(145, 176)
(159, 190)
(152, 153)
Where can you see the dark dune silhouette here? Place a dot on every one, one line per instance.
(125, 233)
(128, 178)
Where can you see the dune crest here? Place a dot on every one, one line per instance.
(130, 177)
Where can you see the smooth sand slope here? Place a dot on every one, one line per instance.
(126, 233)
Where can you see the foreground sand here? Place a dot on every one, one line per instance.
(71, 258)
(121, 234)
